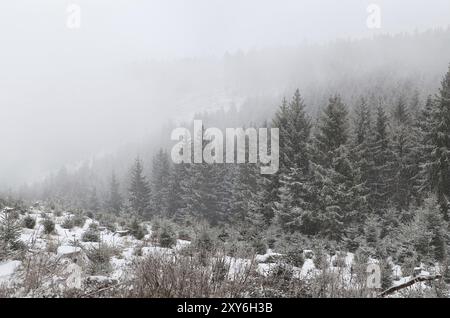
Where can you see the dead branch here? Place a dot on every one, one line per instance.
(411, 282)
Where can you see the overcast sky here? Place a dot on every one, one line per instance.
(65, 93)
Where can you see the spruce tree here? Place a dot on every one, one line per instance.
(380, 185)
(93, 201)
(439, 167)
(426, 125)
(362, 156)
(114, 201)
(202, 191)
(139, 191)
(176, 191)
(294, 177)
(405, 149)
(332, 131)
(160, 183)
(9, 233)
(333, 172)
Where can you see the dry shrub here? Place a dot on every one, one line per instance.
(168, 275)
(37, 269)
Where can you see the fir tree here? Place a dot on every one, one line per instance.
(114, 201)
(362, 156)
(439, 167)
(93, 202)
(333, 171)
(380, 185)
(176, 191)
(294, 177)
(139, 191)
(332, 131)
(160, 183)
(405, 150)
(9, 233)
(426, 125)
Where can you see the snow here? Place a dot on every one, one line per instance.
(7, 269)
(127, 245)
(68, 250)
(268, 257)
(181, 244)
(308, 269)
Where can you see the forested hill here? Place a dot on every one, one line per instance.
(250, 87)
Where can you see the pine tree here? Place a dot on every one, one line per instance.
(294, 209)
(160, 183)
(430, 235)
(93, 202)
(405, 150)
(9, 233)
(426, 125)
(439, 168)
(333, 171)
(257, 215)
(272, 182)
(362, 157)
(294, 176)
(201, 191)
(332, 131)
(380, 185)
(295, 136)
(114, 201)
(176, 191)
(139, 191)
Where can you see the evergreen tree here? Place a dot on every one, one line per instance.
(439, 167)
(333, 171)
(430, 232)
(294, 178)
(363, 157)
(114, 201)
(139, 191)
(405, 149)
(332, 131)
(202, 190)
(93, 202)
(160, 183)
(176, 191)
(257, 216)
(9, 233)
(426, 125)
(295, 136)
(380, 185)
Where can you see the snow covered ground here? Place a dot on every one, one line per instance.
(66, 247)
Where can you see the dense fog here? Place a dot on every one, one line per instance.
(67, 95)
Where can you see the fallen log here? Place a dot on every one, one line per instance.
(417, 279)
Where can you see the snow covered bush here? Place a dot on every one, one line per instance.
(49, 226)
(137, 230)
(259, 245)
(294, 257)
(91, 235)
(29, 222)
(9, 234)
(204, 241)
(78, 219)
(99, 259)
(167, 236)
(67, 223)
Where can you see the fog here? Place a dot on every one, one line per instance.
(133, 65)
